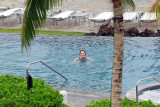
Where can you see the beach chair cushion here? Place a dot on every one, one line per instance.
(63, 15)
(9, 12)
(102, 17)
(148, 17)
(128, 16)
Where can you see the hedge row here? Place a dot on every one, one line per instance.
(125, 103)
(14, 93)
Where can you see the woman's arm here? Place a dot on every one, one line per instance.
(90, 59)
(75, 60)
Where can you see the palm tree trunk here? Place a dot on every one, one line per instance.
(118, 53)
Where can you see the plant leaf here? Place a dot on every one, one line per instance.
(33, 19)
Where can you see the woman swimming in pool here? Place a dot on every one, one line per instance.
(82, 57)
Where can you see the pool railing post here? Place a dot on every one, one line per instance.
(139, 82)
(137, 93)
(29, 82)
(29, 78)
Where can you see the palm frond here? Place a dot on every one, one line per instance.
(158, 13)
(128, 5)
(156, 8)
(33, 19)
(153, 7)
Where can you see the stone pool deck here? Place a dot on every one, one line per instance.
(75, 99)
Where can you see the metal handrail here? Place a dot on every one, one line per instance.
(46, 66)
(139, 82)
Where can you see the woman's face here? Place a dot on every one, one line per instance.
(82, 54)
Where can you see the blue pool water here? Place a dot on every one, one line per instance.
(141, 60)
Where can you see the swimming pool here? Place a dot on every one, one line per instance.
(141, 60)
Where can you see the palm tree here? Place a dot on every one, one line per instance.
(118, 54)
(118, 9)
(35, 15)
(156, 8)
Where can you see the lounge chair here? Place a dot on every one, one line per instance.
(79, 15)
(52, 13)
(61, 16)
(130, 16)
(102, 17)
(147, 17)
(19, 14)
(9, 13)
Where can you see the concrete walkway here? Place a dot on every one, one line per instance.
(75, 99)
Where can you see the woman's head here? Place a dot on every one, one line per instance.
(82, 54)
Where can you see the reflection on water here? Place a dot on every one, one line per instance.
(141, 60)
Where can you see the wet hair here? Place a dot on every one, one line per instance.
(83, 51)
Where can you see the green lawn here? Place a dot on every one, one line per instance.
(43, 32)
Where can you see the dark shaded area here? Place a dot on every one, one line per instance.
(29, 82)
(106, 30)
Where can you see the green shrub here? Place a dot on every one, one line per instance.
(14, 93)
(125, 103)
(101, 103)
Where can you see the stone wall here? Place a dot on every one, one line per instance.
(106, 30)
